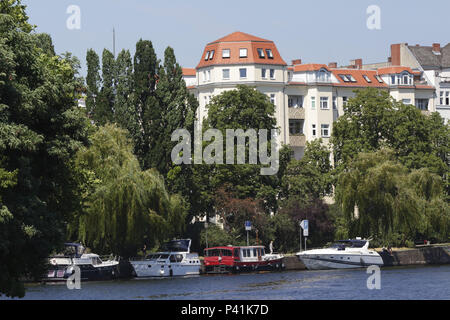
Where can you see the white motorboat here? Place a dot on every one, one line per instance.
(92, 267)
(174, 260)
(341, 255)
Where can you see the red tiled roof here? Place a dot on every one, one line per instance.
(358, 75)
(310, 67)
(189, 71)
(236, 41)
(239, 36)
(394, 70)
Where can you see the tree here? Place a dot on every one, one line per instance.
(40, 131)
(44, 41)
(310, 177)
(389, 198)
(125, 207)
(373, 120)
(104, 107)
(93, 80)
(147, 108)
(243, 108)
(125, 115)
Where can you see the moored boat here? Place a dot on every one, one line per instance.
(174, 260)
(344, 254)
(92, 267)
(231, 259)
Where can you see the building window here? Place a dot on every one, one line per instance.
(441, 102)
(366, 77)
(226, 74)
(325, 130)
(406, 101)
(207, 55)
(263, 73)
(334, 103)
(204, 76)
(313, 102)
(324, 103)
(295, 127)
(269, 53)
(323, 76)
(447, 97)
(261, 53)
(243, 73)
(272, 74)
(379, 78)
(211, 55)
(314, 130)
(242, 53)
(422, 104)
(344, 101)
(295, 101)
(347, 78)
(225, 53)
(272, 98)
(392, 80)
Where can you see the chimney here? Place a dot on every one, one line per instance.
(357, 63)
(437, 47)
(332, 65)
(296, 62)
(395, 54)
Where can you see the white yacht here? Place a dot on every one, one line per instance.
(92, 267)
(174, 260)
(341, 255)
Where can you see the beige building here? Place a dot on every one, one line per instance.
(308, 97)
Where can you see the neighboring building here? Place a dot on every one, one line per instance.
(308, 97)
(434, 63)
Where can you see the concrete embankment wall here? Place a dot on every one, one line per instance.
(418, 256)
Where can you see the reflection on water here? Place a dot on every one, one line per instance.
(396, 283)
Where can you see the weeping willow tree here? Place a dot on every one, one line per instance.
(380, 197)
(123, 206)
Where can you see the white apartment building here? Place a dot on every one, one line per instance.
(308, 97)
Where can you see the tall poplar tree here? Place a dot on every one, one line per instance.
(104, 108)
(93, 80)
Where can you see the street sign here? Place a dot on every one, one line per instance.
(248, 225)
(305, 226)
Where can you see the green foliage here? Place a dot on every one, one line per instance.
(40, 131)
(104, 107)
(390, 199)
(93, 80)
(126, 207)
(310, 177)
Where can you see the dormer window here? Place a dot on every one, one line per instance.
(211, 55)
(347, 78)
(207, 55)
(242, 53)
(269, 53)
(367, 78)
(226, 53)
(261, 53)
(379, 78)
(323, 76)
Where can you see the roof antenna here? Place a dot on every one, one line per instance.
(114, 43)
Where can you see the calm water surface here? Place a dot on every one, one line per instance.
(431, 282)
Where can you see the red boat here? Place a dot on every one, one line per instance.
(232, 259)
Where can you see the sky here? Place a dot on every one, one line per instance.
(315, 31)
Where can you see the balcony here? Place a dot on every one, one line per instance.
(297, 140)
(296, 113)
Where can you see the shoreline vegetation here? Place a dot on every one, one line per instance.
(103, 175)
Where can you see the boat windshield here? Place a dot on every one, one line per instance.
(342, 244)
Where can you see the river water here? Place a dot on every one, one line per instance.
(425, 282)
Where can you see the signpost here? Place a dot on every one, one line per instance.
(304, 224)
(248, 227)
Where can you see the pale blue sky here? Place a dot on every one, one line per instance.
(316, 31)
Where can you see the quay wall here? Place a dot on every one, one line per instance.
(418, 256)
